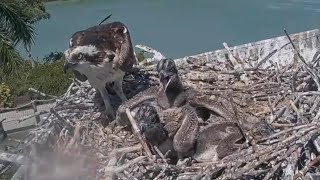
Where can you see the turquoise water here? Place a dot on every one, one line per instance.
(179, 27)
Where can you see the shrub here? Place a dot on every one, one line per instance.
(49, 78)
(53, 57)
(5, 96)
(45, 77)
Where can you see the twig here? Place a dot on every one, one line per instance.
(291, 167)
(137, 133)
(256, 67)
(312, 73)
(315, 58)
(75, 136)
(161, 173)
(282, 110)
(160, 154)
(41, 93)
(307, 167)
(286, 131)
(272, 171)
(68, 90)
(113, 171)
(232, 58)
(294, 107)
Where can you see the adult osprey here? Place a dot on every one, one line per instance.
(102, 54)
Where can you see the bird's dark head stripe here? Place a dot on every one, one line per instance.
(166, 65)
(90, 54)
(98, 57)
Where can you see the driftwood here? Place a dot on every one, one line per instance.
(280, 106)
(156, 55)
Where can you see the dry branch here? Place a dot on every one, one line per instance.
(137, 133)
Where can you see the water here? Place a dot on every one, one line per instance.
(181, 27)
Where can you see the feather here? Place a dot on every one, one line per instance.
(103, 54)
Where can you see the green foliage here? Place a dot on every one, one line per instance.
(5, 95)
(53, 57)
(45, 77)
(140, 56)
(33, 9)
(16, 27)
(49, 78)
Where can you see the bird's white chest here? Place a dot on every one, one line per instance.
(100, 74)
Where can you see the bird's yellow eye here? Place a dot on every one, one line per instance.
(80, 56)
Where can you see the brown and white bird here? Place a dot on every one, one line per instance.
(102, 54)
(149, 124)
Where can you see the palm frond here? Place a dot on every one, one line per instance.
(4, 35)
(10, 58)
(16, 24)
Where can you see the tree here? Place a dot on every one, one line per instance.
(16, 26)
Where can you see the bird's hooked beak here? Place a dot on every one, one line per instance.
(68, 65)
(165, 79)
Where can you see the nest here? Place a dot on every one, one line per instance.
(281, 104)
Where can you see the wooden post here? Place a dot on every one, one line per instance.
(35, 110)
(3, 133)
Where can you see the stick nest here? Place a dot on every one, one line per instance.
(281, 104)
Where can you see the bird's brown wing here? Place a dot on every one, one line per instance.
(148, 94)
(103, 37)
(113, 37)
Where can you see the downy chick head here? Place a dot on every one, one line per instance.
(168, 74)
(150, 125)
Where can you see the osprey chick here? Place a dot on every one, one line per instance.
(102, 54)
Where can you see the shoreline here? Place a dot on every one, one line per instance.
(52, 0)
(48, 1)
